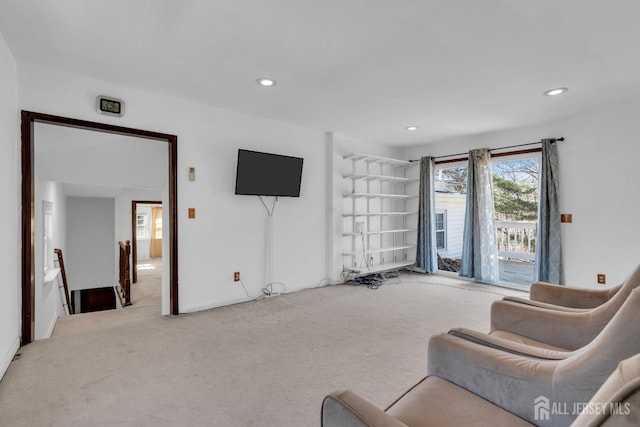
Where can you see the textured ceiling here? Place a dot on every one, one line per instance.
(364, 68)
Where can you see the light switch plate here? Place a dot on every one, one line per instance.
(192, 213)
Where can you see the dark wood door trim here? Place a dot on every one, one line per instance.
(28, 118)
(28, 231)
(134, 236)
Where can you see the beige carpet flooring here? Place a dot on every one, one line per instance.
(262, 363)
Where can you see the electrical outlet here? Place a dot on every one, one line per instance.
(568, 218)
(602, 279)
(236, 276)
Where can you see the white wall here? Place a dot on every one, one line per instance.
(229, 232)
(79, 156)
(47, 296)
(10, 212)
(90, 256)
(598, 184)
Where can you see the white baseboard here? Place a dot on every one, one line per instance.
(6, 360)
(283, 291)
(52, 325)
(196, 308)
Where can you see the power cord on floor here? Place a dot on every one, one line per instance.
(267, 291)
(371, 281)
(374, 280)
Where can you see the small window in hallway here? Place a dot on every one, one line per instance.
(142, 224)
(47, 235)
(158, 229)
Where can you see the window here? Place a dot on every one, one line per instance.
(515, 194)
(158, 228)
(441, 230)
(141, 226)
(450, 204)
(47, 235)
(515, 189)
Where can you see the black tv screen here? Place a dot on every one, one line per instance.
(264, 174)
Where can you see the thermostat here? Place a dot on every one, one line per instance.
(110, 106)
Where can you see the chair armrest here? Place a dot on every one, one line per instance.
(347, 409)
(508, 345)
(567, 296)
(568, 330)
(510, 381)
(540, 304)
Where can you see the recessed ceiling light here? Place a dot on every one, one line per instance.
(556, 91)
(411, 128)
(266, 82)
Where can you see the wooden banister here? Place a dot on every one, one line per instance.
(63, 272)
(124, 277)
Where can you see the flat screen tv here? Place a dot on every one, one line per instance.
(264, 174)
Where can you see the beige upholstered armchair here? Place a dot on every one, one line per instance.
(557, 297)
(511, 374)
(568, 328)
(435, 402)
(572, 297)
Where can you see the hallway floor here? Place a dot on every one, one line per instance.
(146, 299)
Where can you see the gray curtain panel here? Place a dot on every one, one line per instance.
(548, 265)
(426, 252)
(479, 246)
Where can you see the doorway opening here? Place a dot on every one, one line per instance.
(146, 250)
(515, 192)
(451, 202)
(28, 138)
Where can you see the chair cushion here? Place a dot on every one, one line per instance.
(436, 402)
(524, 340)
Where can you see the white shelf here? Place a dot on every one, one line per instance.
(369, 177)
(379, 250)
(379, 202)
(379, 213)
(369, 233)
(377, 159)
(380, 268)
(379, 196)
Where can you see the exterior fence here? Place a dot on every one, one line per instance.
(516, 239)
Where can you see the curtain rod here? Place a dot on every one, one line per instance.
(495, 149)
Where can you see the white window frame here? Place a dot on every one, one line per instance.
(145, 225)
(443, 230)
(47, 236)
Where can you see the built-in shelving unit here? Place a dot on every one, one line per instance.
(378, 196)
(379, 214)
